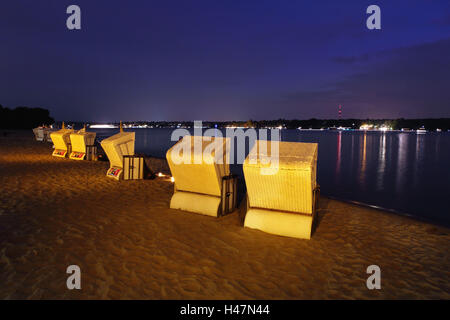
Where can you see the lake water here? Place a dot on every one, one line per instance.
(401, 171)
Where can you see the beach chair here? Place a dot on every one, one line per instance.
(203, 183)
(116, 147)
(61, 140)
(43, 134)
(39, 134)
(282, 199)
(47, 134)
(82, 145)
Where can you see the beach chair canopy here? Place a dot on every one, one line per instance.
(281, 183)
(203, 164)
(81, 139)
(198, 165)
(117, 146)
(287, 185)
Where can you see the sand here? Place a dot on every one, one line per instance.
(129, 245)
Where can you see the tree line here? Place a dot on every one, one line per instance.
(396, 124)
(24, 118)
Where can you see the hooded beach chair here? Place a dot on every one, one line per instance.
(61, 140)
(116, 147)
(42, 133)
(82, 145)
(39, 133)
(203, 183)
(282, 198)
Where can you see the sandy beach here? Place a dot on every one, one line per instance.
(129, 245)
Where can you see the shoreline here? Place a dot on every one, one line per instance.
(129, 245)
(353, 202)
(391, 211)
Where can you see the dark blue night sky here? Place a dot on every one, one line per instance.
(226, 60)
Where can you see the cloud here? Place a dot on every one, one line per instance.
(405, 82)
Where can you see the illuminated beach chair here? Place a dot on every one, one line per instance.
(42, 133)
(61, 140)
(39, 134)
(116, 147)
(82, 145)
(203, 183)
(47, 134)
(282, 200)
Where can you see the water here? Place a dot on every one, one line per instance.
(401, 171)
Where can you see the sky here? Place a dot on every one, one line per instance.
(225, 59)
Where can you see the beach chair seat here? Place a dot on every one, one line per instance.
(203, 183)
(282, 199)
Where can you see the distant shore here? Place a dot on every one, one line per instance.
(400, 124)
(130, 245)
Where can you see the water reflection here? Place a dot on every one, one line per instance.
(437, 147)
(419, 154)
(401, 160)
(338, 157)
(352, 156)
(381, 161)
(362, 167)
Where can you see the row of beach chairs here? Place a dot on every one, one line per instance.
(77, 145)
(280, 200)
(42, 133)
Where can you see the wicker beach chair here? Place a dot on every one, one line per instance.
(282, 198)
(61, 140)
(116, 147)
(82, 145)
(203, 183)
(39, 133)
(43, 134)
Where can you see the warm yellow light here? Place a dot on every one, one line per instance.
(160, 174)
(172, 179)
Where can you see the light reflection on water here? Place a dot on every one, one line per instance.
(407, 172)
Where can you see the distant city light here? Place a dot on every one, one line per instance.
(102, 126)
(421, 130)
(366, 127)
(383, 127)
